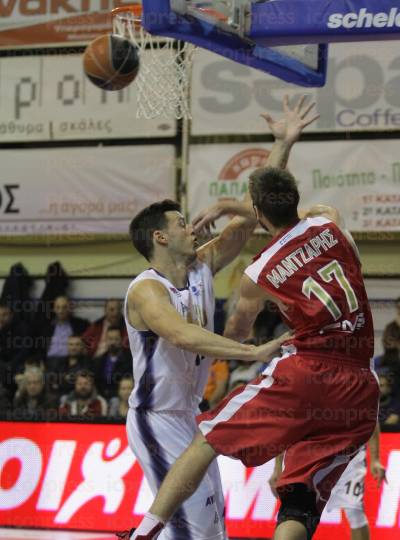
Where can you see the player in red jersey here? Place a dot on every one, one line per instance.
(318, 401)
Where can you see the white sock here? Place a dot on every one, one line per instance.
(147, 525)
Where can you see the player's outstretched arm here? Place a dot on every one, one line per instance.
(332, 214)
(151, 302)
(251, 301)
(323, 210)
(287, 129)
(220, 251)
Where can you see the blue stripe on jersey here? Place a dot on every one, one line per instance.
(146, 382)
(160, 467)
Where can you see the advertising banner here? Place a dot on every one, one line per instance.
(72, 191)
(55, 22)
(49, 98)
(75, 476)
(360, 178)
(360, 93)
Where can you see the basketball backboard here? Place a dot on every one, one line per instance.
(286, 38)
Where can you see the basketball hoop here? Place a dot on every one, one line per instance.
(163, 81)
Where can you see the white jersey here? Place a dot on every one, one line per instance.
(168, 378)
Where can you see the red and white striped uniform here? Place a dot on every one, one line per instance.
(318, 401)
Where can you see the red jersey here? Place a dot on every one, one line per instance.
(314, 275)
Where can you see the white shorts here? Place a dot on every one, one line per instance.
(349, 491)
(157, 439)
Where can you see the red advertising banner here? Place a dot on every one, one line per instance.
(49, 22)
(75, 476)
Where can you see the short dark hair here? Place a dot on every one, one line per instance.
(85, 374)
(274, 192)
(147, 221)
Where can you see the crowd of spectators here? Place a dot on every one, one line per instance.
(63, 366)
(387, 366)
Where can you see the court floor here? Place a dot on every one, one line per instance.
(36, 534)
(29, 534)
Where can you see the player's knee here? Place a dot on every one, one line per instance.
(356, 517)
(298, 503)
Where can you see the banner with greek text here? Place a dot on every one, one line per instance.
(360, 178)
(81, 190)
(59, 22)
(49, 98)
(84, 476)
(361, 92)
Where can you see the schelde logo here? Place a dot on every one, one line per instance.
(233, 178)
(365, 19)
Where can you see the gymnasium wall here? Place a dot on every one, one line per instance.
(76, 141)
(64, 129)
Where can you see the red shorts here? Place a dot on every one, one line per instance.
(317, 410)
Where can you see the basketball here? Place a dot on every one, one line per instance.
(111, 62)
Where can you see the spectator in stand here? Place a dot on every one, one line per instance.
(119, 406)
(391, 333)
(64, 324)
(61, 372)
(217, 384)
(389, 402)
(83, 401)
(16, 343)
(389, 361)
(115, 363)
(95, 335)
(5, 395)
(5, 403)
(33, 361)
(34, 402)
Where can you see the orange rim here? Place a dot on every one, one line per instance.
(135, 9)
(214, 13)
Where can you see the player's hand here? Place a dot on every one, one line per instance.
(288, 128)
(207, 218)
(266, 351)
(378, 471)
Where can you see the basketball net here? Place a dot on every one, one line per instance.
(163, 80)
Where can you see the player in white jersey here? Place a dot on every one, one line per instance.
(348, 493)
(169, 311)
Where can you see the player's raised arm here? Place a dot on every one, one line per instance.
(323, 210)
(149, 300)
(220, 251)
(332, 214)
